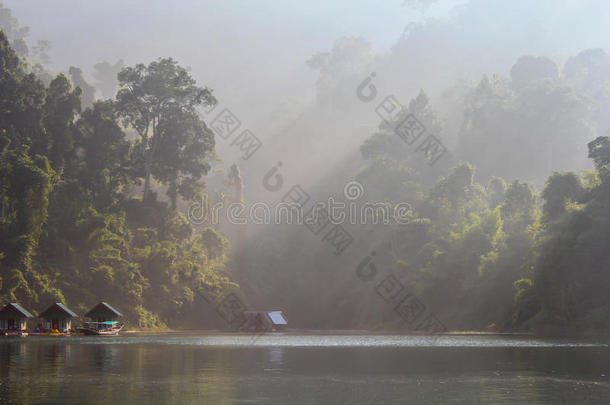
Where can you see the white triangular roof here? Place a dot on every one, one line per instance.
(277, 318)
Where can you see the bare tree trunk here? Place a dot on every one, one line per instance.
(148, 163)
(147, 168)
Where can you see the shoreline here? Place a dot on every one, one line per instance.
(338, 332)
(362, 332)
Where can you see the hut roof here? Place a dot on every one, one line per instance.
(277, 317)
(58, 310)
(13, 310)
(102, 309)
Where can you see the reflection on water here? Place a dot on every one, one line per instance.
(315, 369)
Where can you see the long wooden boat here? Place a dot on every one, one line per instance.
(106, 328)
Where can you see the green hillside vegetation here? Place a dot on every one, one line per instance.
(72, 228)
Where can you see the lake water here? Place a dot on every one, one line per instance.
(303, 369)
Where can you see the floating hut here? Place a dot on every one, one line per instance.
(13, 318)
(103, 312)
(103, 321)
(58, 317)
(264, 321)
(278, 320)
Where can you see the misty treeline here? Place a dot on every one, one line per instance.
(80, 220)
(509, 230)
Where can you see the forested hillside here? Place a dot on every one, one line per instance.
(509, 230)
(80, 220)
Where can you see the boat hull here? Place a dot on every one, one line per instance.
(107, 332)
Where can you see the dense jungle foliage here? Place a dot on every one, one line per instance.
(73, 228)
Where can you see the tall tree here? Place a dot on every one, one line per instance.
(21, 99)
(62, 104)
(150, 96)
(181, 158)
(560, 189)
(101, 155)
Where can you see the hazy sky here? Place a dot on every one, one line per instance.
(114, 26)
(244, 48)
(237, 47)
(253, 53)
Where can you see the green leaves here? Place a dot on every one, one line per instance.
(61, 105)
(68, 230)
(561, 189)
(599, 151)
(159, 102)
